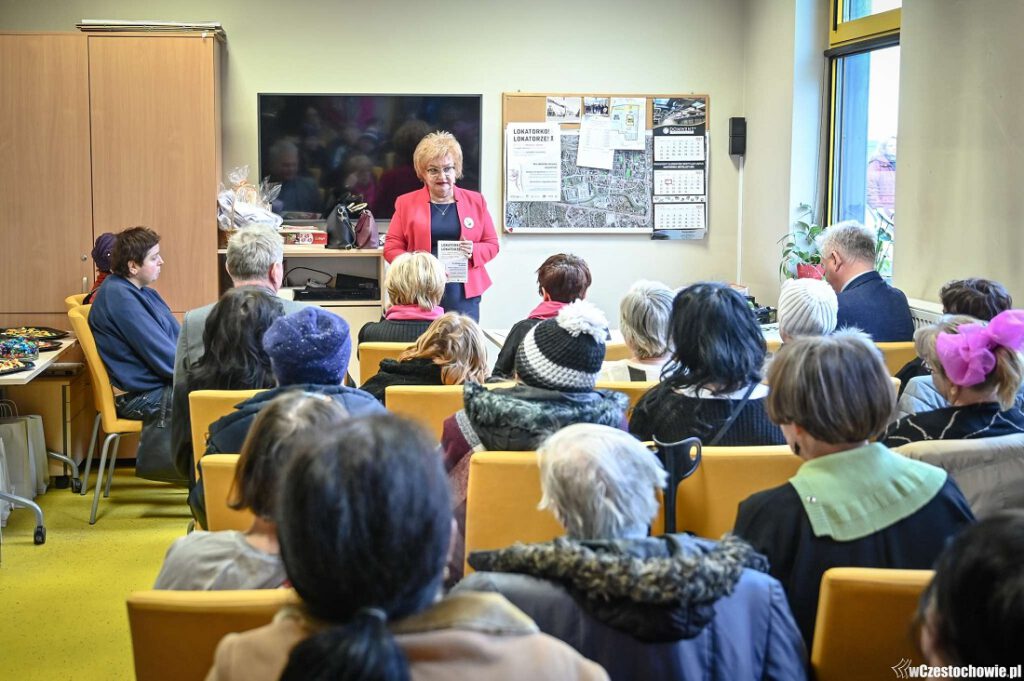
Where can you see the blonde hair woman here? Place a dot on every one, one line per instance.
(440, 211)
(450, 352)
(415, 283)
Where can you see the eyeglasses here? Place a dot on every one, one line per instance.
(438, 172)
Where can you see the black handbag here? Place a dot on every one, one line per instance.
(351, 225)
(154, 459)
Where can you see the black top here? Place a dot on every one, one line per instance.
(393, 331)
(505, 365)
(668, 416)
(955, 423)
(775, 523)
(444, 224)
(408, 372)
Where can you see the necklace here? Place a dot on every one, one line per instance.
(442, 211)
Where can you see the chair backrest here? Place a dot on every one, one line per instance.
(707, 501)
(501, 502)
(989, 471)
(863, 624)
(429, 405)
(897, 354)
(370, 355)
(616, 351)
(102, 391)
(634, 390)
(175, 633)
(218, 476)
(71, 302)
(205, 407)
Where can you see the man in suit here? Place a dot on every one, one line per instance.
(865, 300)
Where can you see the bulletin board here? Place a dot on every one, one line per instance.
(599, 163)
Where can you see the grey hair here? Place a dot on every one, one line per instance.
(252, 251)
(852, 239)
(644, 317)
(599, 481)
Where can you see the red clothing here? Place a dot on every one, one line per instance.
(410, 231)
(413, 312)
(546, 310)
(881, 189)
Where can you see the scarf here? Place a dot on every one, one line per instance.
(546, 310)
(412, 313)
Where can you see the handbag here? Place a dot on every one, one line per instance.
(154, 458)
(343, 233)
(366, 230)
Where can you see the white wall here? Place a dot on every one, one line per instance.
(961, 162)
(740, 52)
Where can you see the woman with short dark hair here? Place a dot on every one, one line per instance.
(712, 388)
(365, 530)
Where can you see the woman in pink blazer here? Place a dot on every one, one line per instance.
(440, 211)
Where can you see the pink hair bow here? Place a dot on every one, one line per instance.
(967, 354)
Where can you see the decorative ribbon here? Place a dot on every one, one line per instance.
(967, 355)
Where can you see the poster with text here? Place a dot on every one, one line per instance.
(533, 154)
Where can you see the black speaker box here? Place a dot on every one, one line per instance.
(737, 136)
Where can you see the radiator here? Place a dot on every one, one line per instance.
(924, 312)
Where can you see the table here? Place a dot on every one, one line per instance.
(41, 364)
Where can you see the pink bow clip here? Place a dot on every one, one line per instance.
(967, 355)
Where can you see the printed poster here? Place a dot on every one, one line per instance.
(533, 153)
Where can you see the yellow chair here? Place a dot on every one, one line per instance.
(71, 302)
(707, 501)
(103, 394)
(205, 407)
(774, 344)
(634, 390)
(370, 355)
(175, 633)
(862, 630)
(897, 354)
(218, 478)
(616, 351)
(429, 405)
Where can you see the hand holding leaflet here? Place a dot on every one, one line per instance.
(455, 259)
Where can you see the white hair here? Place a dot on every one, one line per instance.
(252, 251)
(644, 315)
(852, 239)
(599, 481)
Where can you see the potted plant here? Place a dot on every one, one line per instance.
(801, 258)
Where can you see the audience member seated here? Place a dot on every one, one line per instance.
(415, 283)
(668, 607)
(298, 193)
(250, 560)
(643, 317)
(451, 351)
(978, 369)
(557, 366)
(134, 329)
(101, 252)
(807, 307)
(973, 611)
(309, 350)
(982, 299)
(865, 300)
(365, 530)
(851, 504)
(561, 279)
(712, 389)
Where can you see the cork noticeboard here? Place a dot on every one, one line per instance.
(591, 163)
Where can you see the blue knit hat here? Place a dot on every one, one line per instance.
(102, 249)
(308, 346)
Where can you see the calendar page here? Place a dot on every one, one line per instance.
(680, 216)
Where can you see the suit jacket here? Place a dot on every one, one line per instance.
(410, 231)
(876, 308)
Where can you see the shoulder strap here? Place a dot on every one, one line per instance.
(733, 416)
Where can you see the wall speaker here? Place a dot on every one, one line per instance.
(737, 136)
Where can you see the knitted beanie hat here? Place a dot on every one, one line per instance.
(807, 307)
(564, 353)
(102, 249)
(308, 346)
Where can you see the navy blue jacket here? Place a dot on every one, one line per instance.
(135, 334)
(875, 308)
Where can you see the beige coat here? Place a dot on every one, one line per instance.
(464, 636)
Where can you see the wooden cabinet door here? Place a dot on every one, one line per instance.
(155, 155)
(45, 188)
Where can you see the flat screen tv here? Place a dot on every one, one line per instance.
(328, 148)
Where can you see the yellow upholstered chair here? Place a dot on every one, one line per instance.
(205, 407)
(897, 354)
(218, 477)
(429, 405)
(370, 355)
(864, 621)
(103, 395)
(773, 344)
(175, 633)
(616, 351)
(634, 390)
(71, 302)
(707, 501)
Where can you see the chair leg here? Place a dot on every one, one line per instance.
(113, 462)
(99, 476)
(92, 450)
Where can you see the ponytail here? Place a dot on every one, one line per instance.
(362, 649)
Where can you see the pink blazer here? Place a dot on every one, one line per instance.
(410, 231)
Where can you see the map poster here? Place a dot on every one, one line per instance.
(680, 169)
(532, 162)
